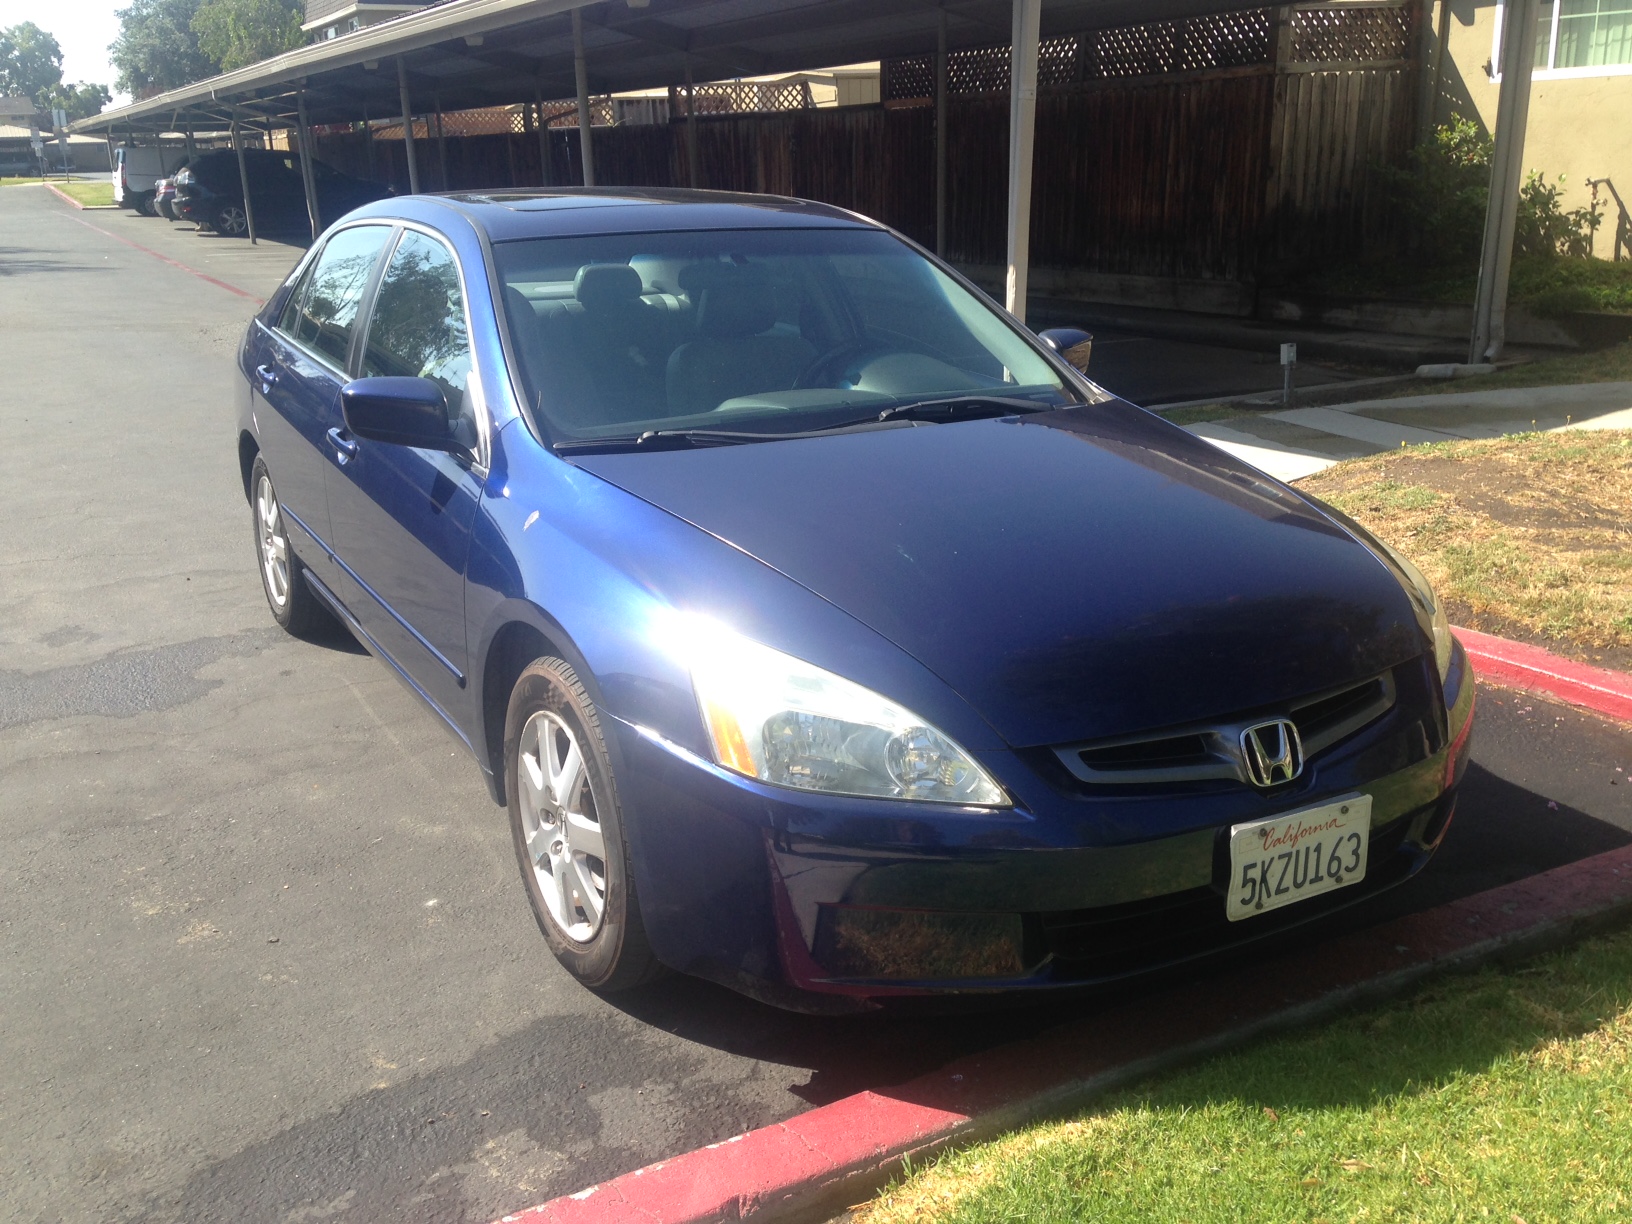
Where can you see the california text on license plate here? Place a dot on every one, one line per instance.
(1302, 854)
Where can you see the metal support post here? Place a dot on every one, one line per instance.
(192, 149)
(940, 136)
(243, 183)
(586, 150)
(1022, 130)
(694, 174)
(1506, 174)
(544, 168)
(407, 128)
(306, 164)
(368, 140)
(442, 145)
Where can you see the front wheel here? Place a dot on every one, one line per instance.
(293, 605)
(567, 826)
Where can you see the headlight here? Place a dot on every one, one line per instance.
(782, 720)
(1423, 596)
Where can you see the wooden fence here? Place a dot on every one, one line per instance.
(1212, 149)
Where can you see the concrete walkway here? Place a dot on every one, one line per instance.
(1299, 442)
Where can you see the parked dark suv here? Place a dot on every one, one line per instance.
(210, 192)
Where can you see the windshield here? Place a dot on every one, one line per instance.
(755, 331)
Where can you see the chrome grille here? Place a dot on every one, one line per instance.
(1213, 752)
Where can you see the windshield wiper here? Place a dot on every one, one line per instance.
(961, 407)
(667, 439)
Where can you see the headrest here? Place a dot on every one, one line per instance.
(606, 286)
(731, 303)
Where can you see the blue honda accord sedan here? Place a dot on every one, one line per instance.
(825, 633)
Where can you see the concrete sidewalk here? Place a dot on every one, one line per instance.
(1299, 442)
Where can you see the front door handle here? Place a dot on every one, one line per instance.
(344, 444)
(267, 375)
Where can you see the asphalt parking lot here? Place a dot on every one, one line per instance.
(265, 956)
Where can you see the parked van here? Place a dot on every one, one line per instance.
(137, 169)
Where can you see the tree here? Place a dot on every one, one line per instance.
(30, 61)
(239, 32)
(157, 50)
(81, 99)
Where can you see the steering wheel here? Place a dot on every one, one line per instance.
(824, 371)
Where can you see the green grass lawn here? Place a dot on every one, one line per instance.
(88, 192)
(1504, 1095)
(7, 181)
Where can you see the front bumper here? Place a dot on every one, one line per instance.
(783, 893)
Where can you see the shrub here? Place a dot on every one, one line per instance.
(1442, 191)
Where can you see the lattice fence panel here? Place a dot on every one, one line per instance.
(980, 70)
(740, 97)
(1350, 35)
(910, 77)
(1225, 40)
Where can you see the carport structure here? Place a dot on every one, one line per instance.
(467, 54)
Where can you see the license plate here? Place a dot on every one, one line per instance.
(1302, 854)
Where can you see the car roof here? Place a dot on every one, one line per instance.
(507, 215)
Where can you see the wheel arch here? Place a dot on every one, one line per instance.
(248, 448)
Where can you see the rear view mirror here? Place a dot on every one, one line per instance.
(401, 411)
(1072, 343)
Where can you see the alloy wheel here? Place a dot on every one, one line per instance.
(565, 843)
(232, 220)
(274, 547)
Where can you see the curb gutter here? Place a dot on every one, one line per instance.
(1518, 665)
(815, 1164)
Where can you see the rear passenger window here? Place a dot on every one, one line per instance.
(324, 309)
(418, 329)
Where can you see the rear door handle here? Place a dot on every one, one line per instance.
(344, 444)
(267, 375)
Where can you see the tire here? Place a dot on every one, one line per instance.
(293, 605)
(553, 744)
(231, 221)
(144, 204)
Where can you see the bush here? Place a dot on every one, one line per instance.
(1442, 192)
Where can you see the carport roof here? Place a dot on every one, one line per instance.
(472, 53)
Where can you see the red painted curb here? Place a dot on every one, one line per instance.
(1518, 665)
(818, 1162)
(174, 263)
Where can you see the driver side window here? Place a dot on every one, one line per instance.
(418, 328)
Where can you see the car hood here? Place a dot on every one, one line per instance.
(1077, 574)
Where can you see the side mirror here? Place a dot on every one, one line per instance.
(1072, 343)
(401, 411)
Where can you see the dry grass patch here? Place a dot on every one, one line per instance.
(1529, 536)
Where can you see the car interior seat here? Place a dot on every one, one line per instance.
(738, 349)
